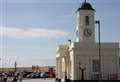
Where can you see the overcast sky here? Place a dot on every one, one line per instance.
(31, 30)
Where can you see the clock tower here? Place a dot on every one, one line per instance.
(85, 29)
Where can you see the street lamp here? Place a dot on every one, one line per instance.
(1, 69)
(82, 69)
(15, 65)
(69, 40)
(98, 22)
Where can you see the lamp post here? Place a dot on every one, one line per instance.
(82, 69)
(1, 70)
(15, 65)
(98, 22)
(69, 40)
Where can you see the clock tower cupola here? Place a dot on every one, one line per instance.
(85, 29)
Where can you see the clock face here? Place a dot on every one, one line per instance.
(87, 32)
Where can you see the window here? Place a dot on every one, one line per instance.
(96, 66)
(87, 20)
(96, 76)
(77, 34)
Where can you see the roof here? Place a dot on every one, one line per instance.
(85, 6)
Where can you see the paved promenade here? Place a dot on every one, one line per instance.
(34, 80)
(39, 80)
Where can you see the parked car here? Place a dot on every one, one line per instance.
(1, 77)
(43, 75)
(33, 75)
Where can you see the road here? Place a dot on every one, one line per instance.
(39, 80)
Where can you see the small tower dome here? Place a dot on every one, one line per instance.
(85, 6)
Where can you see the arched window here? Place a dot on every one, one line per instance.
(87, 20)
(77, 34)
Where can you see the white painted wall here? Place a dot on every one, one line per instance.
(81, 26)
(86, 53)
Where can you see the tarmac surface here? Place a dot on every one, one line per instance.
(33, 80)
(39, 80)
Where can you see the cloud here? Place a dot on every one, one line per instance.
(31, 33)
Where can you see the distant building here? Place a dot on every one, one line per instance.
(81, 59)
(28, 69)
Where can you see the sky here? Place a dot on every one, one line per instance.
(31, 30)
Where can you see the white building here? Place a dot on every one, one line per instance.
(81, 59)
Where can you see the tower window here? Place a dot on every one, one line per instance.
(77, 34)
(95, 65)
(87, 20)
